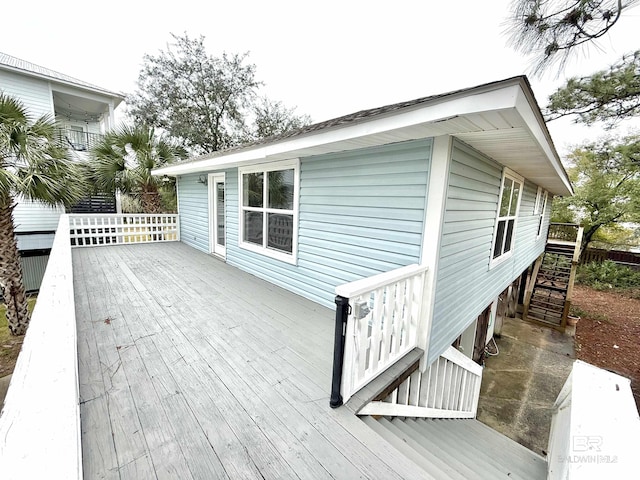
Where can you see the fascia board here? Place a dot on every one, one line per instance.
(78, 91)
(538, 130)
(61, 83)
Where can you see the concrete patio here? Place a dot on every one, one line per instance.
(522, 382)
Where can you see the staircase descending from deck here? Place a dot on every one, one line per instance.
(430, 418)
(549, 294)
(459, 448)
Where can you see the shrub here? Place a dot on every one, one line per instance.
(607, 275)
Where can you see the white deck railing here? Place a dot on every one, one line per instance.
(595, 427)
(113, 229)
(449, 388)
(382, 325)
(40, 421)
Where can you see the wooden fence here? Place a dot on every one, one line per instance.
(621, 257)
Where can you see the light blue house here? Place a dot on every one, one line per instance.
(413, 219)
(460, 183)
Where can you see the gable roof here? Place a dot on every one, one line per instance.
(500, 119)
(17, 65)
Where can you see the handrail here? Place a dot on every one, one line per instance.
(364, 285)
(578, 248)
(113, 229)
(40, 421)
(594, 428)
(563, 231)
(456, 356)
(449, 388)
(77, 140)
(383, 319)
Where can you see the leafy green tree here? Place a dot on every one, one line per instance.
(273, 118)
(205, 102)
(608, 96)
(34, 167)
(553, 29)
(123, 160)
(615, 236)
(606, 179)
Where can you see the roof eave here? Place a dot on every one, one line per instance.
(456, 114)
(117, 97)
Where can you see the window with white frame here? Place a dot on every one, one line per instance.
(536, 206)
(504, 235)
(269, 209)
(540, 207)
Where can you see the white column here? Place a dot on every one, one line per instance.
(432, 233)
(118, 202)
(112, 119)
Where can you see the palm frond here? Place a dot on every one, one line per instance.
(32, 164)
(124, 159)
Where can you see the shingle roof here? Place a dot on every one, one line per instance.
(351, 118)
(15, 63)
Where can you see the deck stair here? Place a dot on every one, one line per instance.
(459, 448)
(549, 294)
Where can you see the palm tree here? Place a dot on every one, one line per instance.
(123, 161)
(34, 166)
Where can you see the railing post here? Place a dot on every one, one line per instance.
(342, 314)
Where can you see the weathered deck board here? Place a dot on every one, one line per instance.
(190, 368)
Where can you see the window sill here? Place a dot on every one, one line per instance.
(500, 260)
(281, 256)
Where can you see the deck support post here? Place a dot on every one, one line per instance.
(342, 314)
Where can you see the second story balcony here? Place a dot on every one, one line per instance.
(76, 139)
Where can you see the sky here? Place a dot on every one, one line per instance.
(326, 58)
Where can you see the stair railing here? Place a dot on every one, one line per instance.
(567, 235)
(449, 388)
(575, 261)
(377, 323)
(568, 232)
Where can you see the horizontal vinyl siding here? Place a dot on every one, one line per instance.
(361, 213)
(31, 216)
(465, 284)
(193, 208)
(38, 241)
(34, 94)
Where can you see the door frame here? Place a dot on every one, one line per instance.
(212, 181)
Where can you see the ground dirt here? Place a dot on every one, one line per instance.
(9, 349)
(608, 333)
(10, 345)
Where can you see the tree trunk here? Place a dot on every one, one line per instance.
(151, 202)
(11, 280)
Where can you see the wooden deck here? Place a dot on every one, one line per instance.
(190, 368)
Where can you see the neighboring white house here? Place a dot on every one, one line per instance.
(83, 112)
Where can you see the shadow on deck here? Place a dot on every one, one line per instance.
(190, 368)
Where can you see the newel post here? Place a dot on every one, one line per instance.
(342, 314)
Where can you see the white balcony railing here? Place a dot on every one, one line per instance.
(382, 325)
(40, 421)
(595, 427)
(88, 230)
